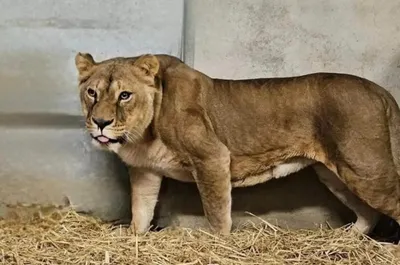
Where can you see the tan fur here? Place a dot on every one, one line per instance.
(182, 124)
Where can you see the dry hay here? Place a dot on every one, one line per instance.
(79, 239)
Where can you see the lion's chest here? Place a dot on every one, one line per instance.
(156, 157)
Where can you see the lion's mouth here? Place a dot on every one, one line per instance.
(105, 140)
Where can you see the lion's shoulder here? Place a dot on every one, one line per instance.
(181, 70)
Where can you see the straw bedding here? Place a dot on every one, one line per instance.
(80, 239)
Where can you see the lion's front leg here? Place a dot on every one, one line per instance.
(145, 187)
(211, 162)
(214, 184)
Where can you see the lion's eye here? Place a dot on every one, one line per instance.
(91, 92)
(125, 95)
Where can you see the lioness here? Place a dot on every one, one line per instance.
(164, 118)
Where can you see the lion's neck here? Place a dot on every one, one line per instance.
(151, 154)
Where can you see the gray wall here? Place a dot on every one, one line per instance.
(283, 38)
(45, 153)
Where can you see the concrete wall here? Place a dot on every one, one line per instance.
(283, 38)
(44, 150)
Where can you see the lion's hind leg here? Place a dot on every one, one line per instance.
(367, 217)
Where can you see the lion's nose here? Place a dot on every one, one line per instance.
(102, 123)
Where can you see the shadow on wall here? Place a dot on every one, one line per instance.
(288, 196)
(275, 196)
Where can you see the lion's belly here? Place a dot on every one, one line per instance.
(277, 171)
(178, 174)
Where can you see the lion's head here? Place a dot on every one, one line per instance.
(117, 97)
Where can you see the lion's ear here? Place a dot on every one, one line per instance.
(84, 63)
(148, 64)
